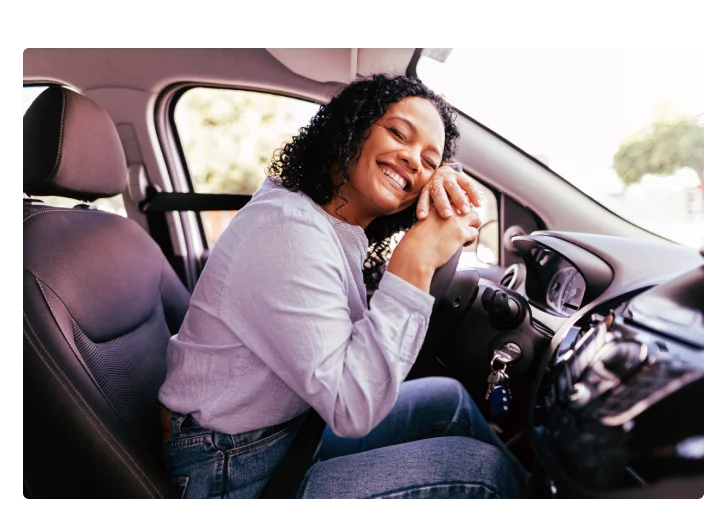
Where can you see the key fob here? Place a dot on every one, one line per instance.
(499, 401)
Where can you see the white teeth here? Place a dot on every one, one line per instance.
(399, 180)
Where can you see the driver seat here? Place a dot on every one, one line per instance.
(100, 303)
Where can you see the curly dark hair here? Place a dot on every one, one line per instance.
(334, 137)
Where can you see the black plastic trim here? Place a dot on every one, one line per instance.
(596, 272)
(191, 201)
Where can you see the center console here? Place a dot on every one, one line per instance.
(620, 405)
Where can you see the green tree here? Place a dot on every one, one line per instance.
(662, 149)
(229, 136)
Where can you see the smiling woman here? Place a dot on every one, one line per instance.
(404, 154)
(293, 321)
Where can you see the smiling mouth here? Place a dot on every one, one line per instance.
(394, 176)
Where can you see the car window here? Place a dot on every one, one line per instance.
(625, 126)
(484, 253)
(229, 137)
(115, 204)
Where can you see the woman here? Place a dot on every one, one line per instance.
(279, 320)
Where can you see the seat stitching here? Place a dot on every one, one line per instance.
(83, 410)
(60, 210)
(437, 485)
(93, 424)
(45, 211)
(73, 347)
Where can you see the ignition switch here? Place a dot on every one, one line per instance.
(505, 311)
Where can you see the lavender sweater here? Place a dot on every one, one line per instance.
(278, 323)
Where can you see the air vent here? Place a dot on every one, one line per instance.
(513, 276)
(508, 279)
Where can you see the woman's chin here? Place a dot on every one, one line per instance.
(388, 203)
(389, 209)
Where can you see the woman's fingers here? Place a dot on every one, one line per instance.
(439, 196)
(458, 196)
(470, 235)
(446, 188)
(423, 208)
(468, 187)
(474, 219)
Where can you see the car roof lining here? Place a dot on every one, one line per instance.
(317, 72)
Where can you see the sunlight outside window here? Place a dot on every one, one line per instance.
(625, 126)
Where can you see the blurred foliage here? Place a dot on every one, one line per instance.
(662, 149)
(488, 238)
(229, 136)
(115, 204)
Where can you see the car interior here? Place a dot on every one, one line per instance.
(597, 323)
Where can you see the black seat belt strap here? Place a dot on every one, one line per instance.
(289, 473)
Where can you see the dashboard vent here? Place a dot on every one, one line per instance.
(513, 276)
(508, 279)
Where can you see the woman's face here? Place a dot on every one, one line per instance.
(403, 150)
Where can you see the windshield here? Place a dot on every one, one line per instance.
(625, 126)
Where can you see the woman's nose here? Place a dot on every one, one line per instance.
(411, 160)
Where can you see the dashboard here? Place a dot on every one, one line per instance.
(626, 357)
(565, 291)
(554, 284)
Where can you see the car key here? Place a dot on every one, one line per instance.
(492, 380)
(495, 376)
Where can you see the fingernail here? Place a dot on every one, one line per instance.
(465, 208)
(447, 213)
(422, 214)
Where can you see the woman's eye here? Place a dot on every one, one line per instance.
(431, 165)
(397, 133)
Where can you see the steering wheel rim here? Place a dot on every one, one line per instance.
(443, 277)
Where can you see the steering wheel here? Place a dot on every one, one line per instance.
(443, 277)
(453, 294)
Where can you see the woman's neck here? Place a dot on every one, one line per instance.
(345, 211)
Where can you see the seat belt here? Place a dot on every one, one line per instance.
(289, 473)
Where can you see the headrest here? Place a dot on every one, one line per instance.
(71, 148)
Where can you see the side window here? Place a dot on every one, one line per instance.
(229, 137)
(115, 204)
(484, 252)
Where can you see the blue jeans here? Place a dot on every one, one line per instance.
(433, 444)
